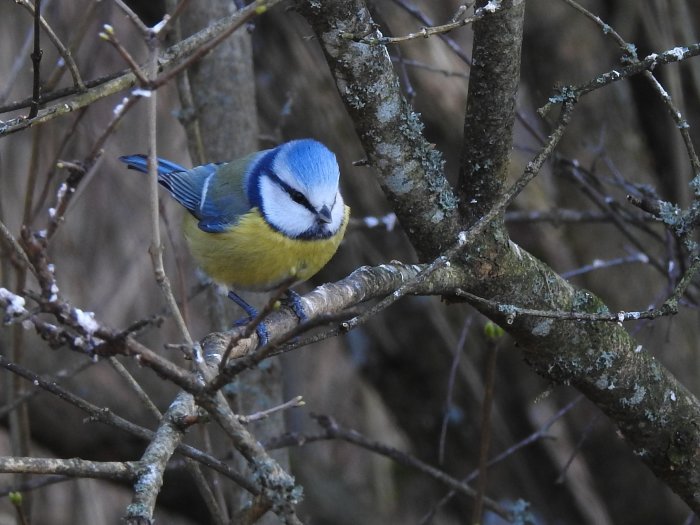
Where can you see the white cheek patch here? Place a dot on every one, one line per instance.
(337, 213)
(282, 212)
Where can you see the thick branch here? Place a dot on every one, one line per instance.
(160, 450)
(659, 417)
(363, 284)
(488, 123)
(410, 169)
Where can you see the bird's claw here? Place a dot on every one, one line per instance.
(261, 329)
(294, 302)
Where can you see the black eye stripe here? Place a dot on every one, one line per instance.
(295, 195)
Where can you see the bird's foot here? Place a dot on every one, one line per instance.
(293, 300)
(261, 329)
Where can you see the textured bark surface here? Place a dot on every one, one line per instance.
(488, 123)
(655, 412)
(410, 168)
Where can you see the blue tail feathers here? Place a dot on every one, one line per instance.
(216, 205)
(176, 179)
(139, 162)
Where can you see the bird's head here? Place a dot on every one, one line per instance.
(296, 189)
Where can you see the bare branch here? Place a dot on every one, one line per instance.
(458, 20)
(648, 63)
(173, 60)
(333, 430)
(108, 417)
(74, 467)
(65, 53)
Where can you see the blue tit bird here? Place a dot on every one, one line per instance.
(270, 218)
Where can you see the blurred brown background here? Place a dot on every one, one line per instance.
(388, 379)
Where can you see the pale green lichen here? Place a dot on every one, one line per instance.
(584, 301)
(437, 217)
(542, 328)
(671, 214)
(637, 397)
(520, 511)
(602, 382)
(606, 359)
(695, 185)
(387, 110)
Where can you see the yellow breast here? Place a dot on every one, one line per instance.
(253, 256)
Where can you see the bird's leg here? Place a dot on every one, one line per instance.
(261, 329)
(252, 312)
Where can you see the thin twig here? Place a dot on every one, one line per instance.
(165, 24)
(559, 216)
(585, 434)
(458, 20)
(450, 386)
(631, 56)
(423, 19)
(33, 484)
(485, 433)
(464, 57)
(334, 430)
(429, 67)
(54, 164)
(539, 434)
(244, 16)
(605, 204)
(156, 249)
(648, 63)
(10, 77)
(108, 417)
(669, 306)
(36, 61)
(80, 174)
(179, 56)
(51, 96)
(77, 35)
(34, 390)
(599, 264)
(110, 37)
(142, 28)
(295, 402)
(284, 494)
(136, 387)
(63, 51)
(16, 248)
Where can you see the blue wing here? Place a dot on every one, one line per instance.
(213, 193)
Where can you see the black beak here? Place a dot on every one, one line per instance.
(324, 215)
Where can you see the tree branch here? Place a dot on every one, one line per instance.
(410, 169)
(176, 57)
(655, 412)
(74, 467)
(490, 115)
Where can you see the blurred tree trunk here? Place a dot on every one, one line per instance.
(220, 117)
